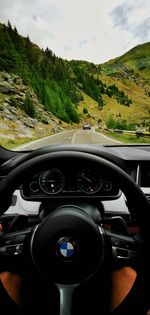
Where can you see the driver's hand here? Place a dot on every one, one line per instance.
(12, 283)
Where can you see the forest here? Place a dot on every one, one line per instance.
(57, 83)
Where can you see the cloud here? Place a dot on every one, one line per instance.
(133, 17)
(120, 15)
(81, 29)
(143, 30)
(67, 48)
(82, 42)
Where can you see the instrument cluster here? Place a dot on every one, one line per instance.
(53, 182)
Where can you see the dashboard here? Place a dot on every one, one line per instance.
(61, 181)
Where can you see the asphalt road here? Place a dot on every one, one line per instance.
(71, 136)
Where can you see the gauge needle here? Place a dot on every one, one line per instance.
(87, 179)
(50, 180)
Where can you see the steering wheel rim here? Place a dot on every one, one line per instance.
(10, 183)
(126, 184)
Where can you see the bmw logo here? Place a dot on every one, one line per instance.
(66, 248)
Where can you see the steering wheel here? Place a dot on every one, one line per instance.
(58, 246)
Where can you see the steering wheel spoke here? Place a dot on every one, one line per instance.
(66, 292)
(11, 244)
(125, 249)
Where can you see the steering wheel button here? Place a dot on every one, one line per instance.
(15, 249)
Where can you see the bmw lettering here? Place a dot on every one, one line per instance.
(66, 248)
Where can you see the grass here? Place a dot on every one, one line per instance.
(129, 139)
(93, 111)
(137, 113)
(12, 143)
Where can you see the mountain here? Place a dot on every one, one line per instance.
(131, 74)
(115, 94)
(22, 116)
(42, 70)
(136, 60)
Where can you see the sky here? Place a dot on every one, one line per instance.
(92, 30)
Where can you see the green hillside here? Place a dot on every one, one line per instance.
(135, 61)
(131, 74)
(47, 74)
(116, 93)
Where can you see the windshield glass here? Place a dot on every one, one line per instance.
(74, 71)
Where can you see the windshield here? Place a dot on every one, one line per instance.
(74, 71)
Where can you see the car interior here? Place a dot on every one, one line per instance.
(75, 157)
(71, 214)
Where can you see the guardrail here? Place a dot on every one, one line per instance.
(138, 134)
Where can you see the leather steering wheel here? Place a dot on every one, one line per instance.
(59, 245)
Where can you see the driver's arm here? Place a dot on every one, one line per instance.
(12, 283)
(122, 281)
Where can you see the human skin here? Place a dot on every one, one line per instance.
(122, 281)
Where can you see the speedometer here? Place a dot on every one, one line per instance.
(52, 181)
(89, 181)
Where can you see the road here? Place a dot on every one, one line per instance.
(71, 136)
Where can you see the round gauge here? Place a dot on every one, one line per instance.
(89, 181)
(34, 187)
(52, 181)
(108, 185)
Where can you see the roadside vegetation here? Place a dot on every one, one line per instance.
(13, 143)
(123, 138)
(120, 124)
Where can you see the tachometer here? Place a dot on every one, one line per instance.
(89, 181)
(52, 181)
